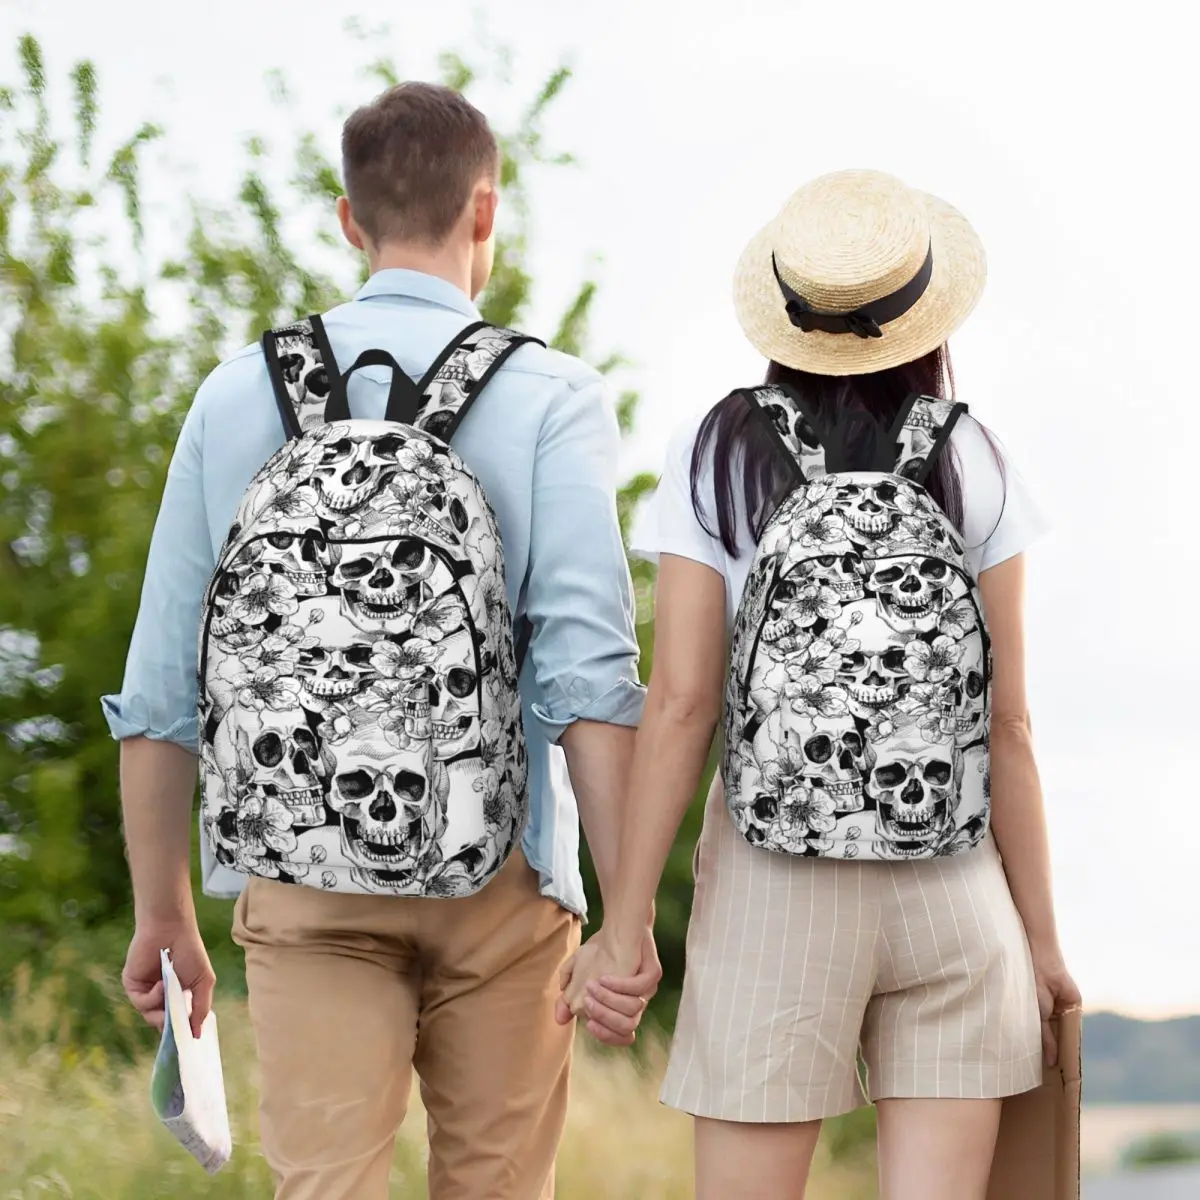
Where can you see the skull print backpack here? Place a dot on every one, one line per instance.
(857, 704)
(359, 714)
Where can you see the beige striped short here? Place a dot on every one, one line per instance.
(796, 966)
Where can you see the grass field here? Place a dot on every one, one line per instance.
(73, 1124)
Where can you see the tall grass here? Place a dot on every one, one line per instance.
(76, 1123)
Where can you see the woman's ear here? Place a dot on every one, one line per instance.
(350, 229)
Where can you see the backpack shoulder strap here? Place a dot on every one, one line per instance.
(304, 375)
(793, 426)
(460, 373)
(922, 429)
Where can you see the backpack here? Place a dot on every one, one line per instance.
(857, 706)
(360, 724)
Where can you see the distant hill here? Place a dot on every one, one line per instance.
(1140, 1062)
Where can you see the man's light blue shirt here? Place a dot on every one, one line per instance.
(542, 439)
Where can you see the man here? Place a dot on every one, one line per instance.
(349, 993)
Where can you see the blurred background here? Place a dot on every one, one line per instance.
(167, 177)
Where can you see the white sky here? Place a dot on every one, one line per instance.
(1068, 138)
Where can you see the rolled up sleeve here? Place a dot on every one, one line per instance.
(579, 596)
(158, 695)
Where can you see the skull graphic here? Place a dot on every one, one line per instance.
(841, 573)
(335, 658)
(911, 592)
(393, 813)
(870, 508)
(454, 697)
(297, 549)
(836, 760)
(874, 675)
(351, 469)
(912, 785)
(286, 762)
(381, 581)
(964, 707)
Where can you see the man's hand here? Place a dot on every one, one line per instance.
(609, 987)
(1056, 992)
(142, 976)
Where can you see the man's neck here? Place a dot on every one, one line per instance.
(451, 263)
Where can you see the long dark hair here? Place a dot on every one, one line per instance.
(745, 455)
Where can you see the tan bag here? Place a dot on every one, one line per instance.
(1037, 1151)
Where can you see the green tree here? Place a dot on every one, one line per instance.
(1162, 1149)
(93, 387)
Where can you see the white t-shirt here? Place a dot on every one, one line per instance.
(1000, 518)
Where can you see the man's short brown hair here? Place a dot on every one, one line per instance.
(410, 159)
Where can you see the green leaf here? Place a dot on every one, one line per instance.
(84, 79)
(455, 72)
(572, 328)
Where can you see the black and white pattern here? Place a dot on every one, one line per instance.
(304, 372)
(794, 428)
(857, 706)
(360, 719)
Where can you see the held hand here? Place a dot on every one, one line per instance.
(142, 976)
(1056, 992)
(609, 988)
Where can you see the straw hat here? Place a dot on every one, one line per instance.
(858, 272)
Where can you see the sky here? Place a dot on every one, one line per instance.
(1067, 138)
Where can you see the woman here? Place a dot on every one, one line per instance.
(893, 919)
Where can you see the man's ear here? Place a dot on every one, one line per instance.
(486, 200)
(350, 229)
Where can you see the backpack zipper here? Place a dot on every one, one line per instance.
(438, 554)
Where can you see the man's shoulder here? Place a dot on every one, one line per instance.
(233, 379)
(535, 359)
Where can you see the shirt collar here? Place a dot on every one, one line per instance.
(397, 281)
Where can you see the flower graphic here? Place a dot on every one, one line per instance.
(811, 603)
(957, 619)
(438, 617)
(263, 596)
(881, 727)
(823, 659)
(337, 727)
(292, 501)
(810, 695)
(815, 527)
(812, 813)
(783, 772)
(409, 662)
(417, 459)
(263, 824)
(266, 688)
(279, 651)
(495, 597)
(782, 638)
(933, 661)
(819, 495)
(925, 705)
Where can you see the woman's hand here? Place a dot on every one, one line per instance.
(1056, 992)
(609, 986)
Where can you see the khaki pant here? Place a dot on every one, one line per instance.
(349, 993)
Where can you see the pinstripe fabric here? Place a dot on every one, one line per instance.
(795, 966)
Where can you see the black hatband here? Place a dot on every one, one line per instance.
(865, 321)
